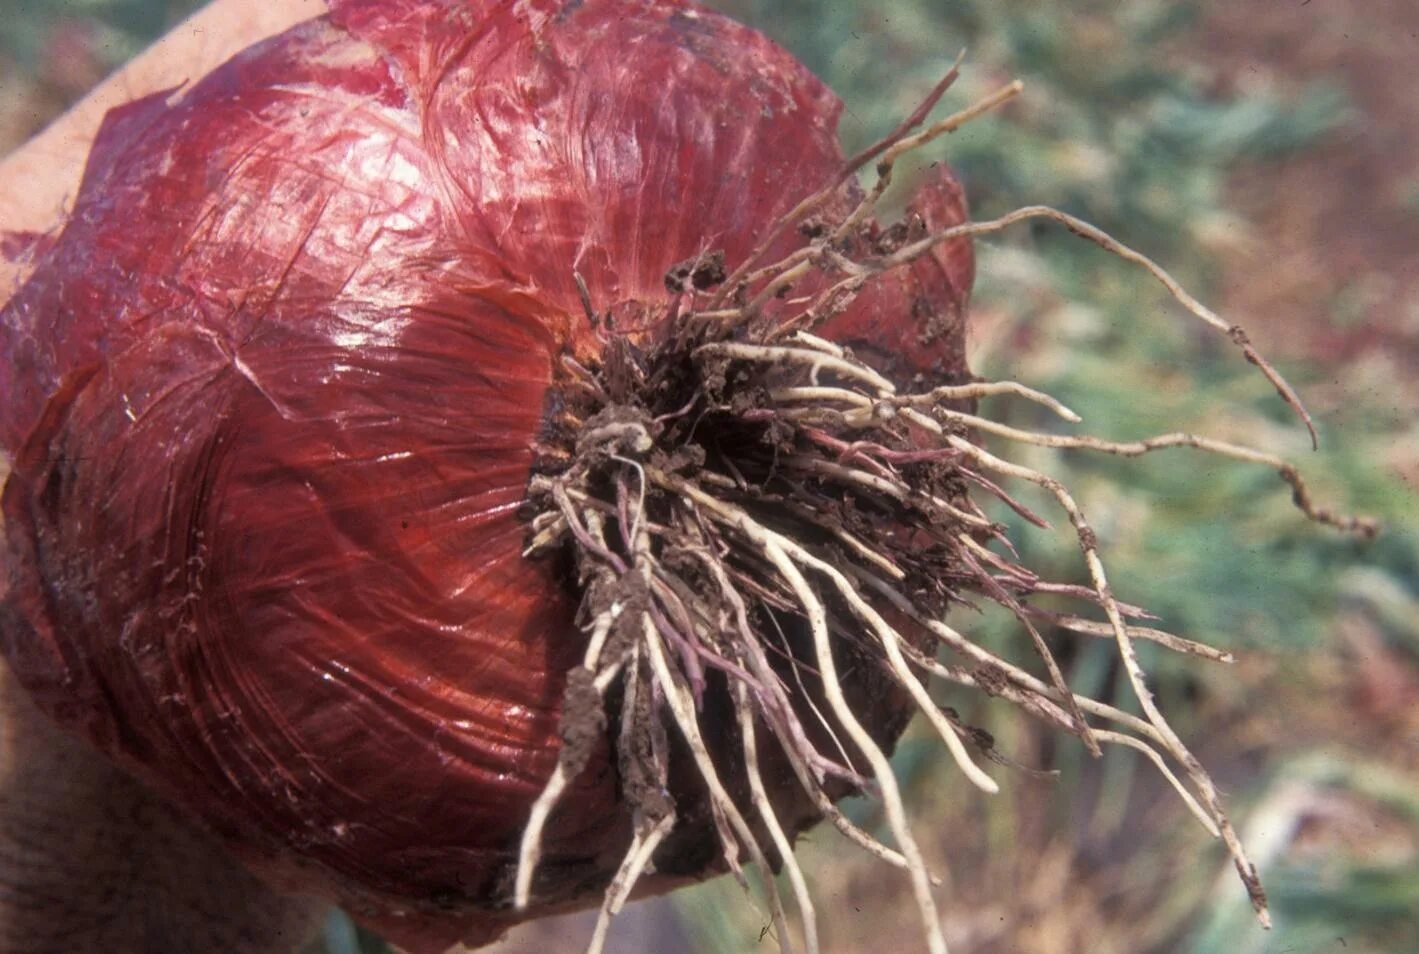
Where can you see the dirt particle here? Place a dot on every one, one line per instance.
(700, 273)
(992, 679)
(583, 719)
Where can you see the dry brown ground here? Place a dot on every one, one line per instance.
(1332, 270)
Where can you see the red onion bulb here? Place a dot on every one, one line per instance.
(272, 400)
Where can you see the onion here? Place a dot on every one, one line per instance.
(272, 400)
(424, 474)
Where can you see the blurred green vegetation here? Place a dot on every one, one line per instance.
(114, 29)
(1119, 125)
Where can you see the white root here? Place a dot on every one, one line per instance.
(1053, 713)
(1361, 525)
(937, 395)
(1096, 235)
(646, 837)
(530, 852)
(1026, 690)
(1129, 657)
(1197, 810)
(813, 786)
(854, 543)
(633, 865)
(891, 641)
(683, 710)
(893, 489)
(808, 917)
(1003, 596)
(933, 132)
(818, 625)
(816, 200)
(530, 849)
(811, 340)
(1177, 644)
(881, 768)
(815, 361)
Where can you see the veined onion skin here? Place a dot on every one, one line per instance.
(270, 400)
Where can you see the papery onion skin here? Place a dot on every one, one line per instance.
(271, 396)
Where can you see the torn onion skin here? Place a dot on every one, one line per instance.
(271, 398)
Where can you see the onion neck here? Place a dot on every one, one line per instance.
(91, 861)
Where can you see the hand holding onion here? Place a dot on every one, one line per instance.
(476, 456)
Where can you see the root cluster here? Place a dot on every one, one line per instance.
(751, 510)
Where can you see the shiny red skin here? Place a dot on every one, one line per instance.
(270, 397)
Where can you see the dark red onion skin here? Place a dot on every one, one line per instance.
(271, 394)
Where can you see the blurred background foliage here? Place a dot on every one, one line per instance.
(1262, 155)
